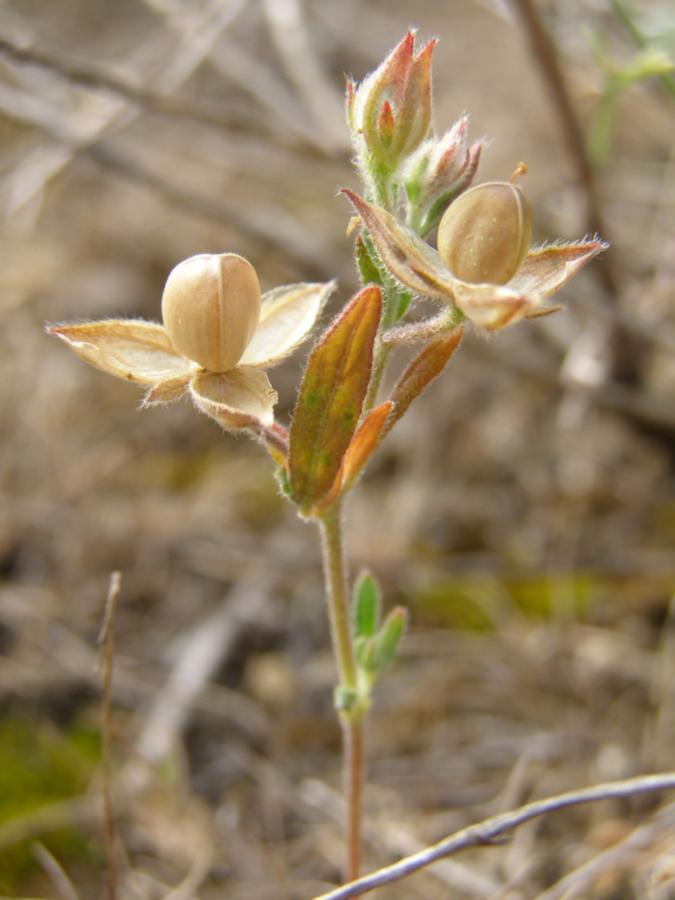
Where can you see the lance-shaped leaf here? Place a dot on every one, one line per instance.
(287, 315)
(366, 605)
(242, 399)
(126, 348)
(389, 637)
(331, 398)
(368, 271)
(361, 447)
(421, 371)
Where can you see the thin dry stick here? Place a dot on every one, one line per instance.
(618, 856)
(488, 831)
(57, 874)
(276, 231)
(300, 60)
(94, 79)
(546, 55)
(106, 641)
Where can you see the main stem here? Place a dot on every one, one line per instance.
(351, 712)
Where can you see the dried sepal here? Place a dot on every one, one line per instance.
(167, 391)
(242, 399)
(492, 307)
(331, 397)
(405, 255)
(130, 349)
(287, 316)
(548, 268)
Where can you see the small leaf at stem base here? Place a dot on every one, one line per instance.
(365, 606)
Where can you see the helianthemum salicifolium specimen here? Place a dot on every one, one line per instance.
(218, 337)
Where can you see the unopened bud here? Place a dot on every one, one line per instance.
(389, 113)
(211, 308)
(485, 233)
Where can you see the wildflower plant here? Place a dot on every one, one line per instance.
(219, 335)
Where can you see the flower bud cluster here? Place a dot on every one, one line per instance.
(438, 171)
(400, 160)
(389, 113)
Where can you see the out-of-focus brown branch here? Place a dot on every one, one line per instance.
(56, 873)
(653, 412)
(545, 54)
(618, 856)
(95, 79)
(278, 231)
(491, 830)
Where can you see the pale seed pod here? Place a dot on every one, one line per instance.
(211, 308)
(485, 233)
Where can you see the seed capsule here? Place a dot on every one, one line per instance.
(211, 308)
(485, 233)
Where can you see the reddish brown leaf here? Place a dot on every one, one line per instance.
(331, 397)
(362, 446)
(429, 363)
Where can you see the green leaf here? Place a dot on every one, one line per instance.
(281, 478)
(365, 606)
(648, 63)
(389, 637)
(368, 269)
(331, 398)
(364, 653)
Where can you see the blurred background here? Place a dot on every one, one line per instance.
(524, 510)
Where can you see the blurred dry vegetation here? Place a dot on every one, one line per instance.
(524, 510)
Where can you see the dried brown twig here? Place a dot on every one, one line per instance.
(278, 231)
(56, 873)
(98, 80)
(619, 855)
(545, 53)
(490, 830)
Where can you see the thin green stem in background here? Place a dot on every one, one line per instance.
(627, 18)
(351, 711)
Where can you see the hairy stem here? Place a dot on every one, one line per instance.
(354, 769)
(351, 712)
(335, 576)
